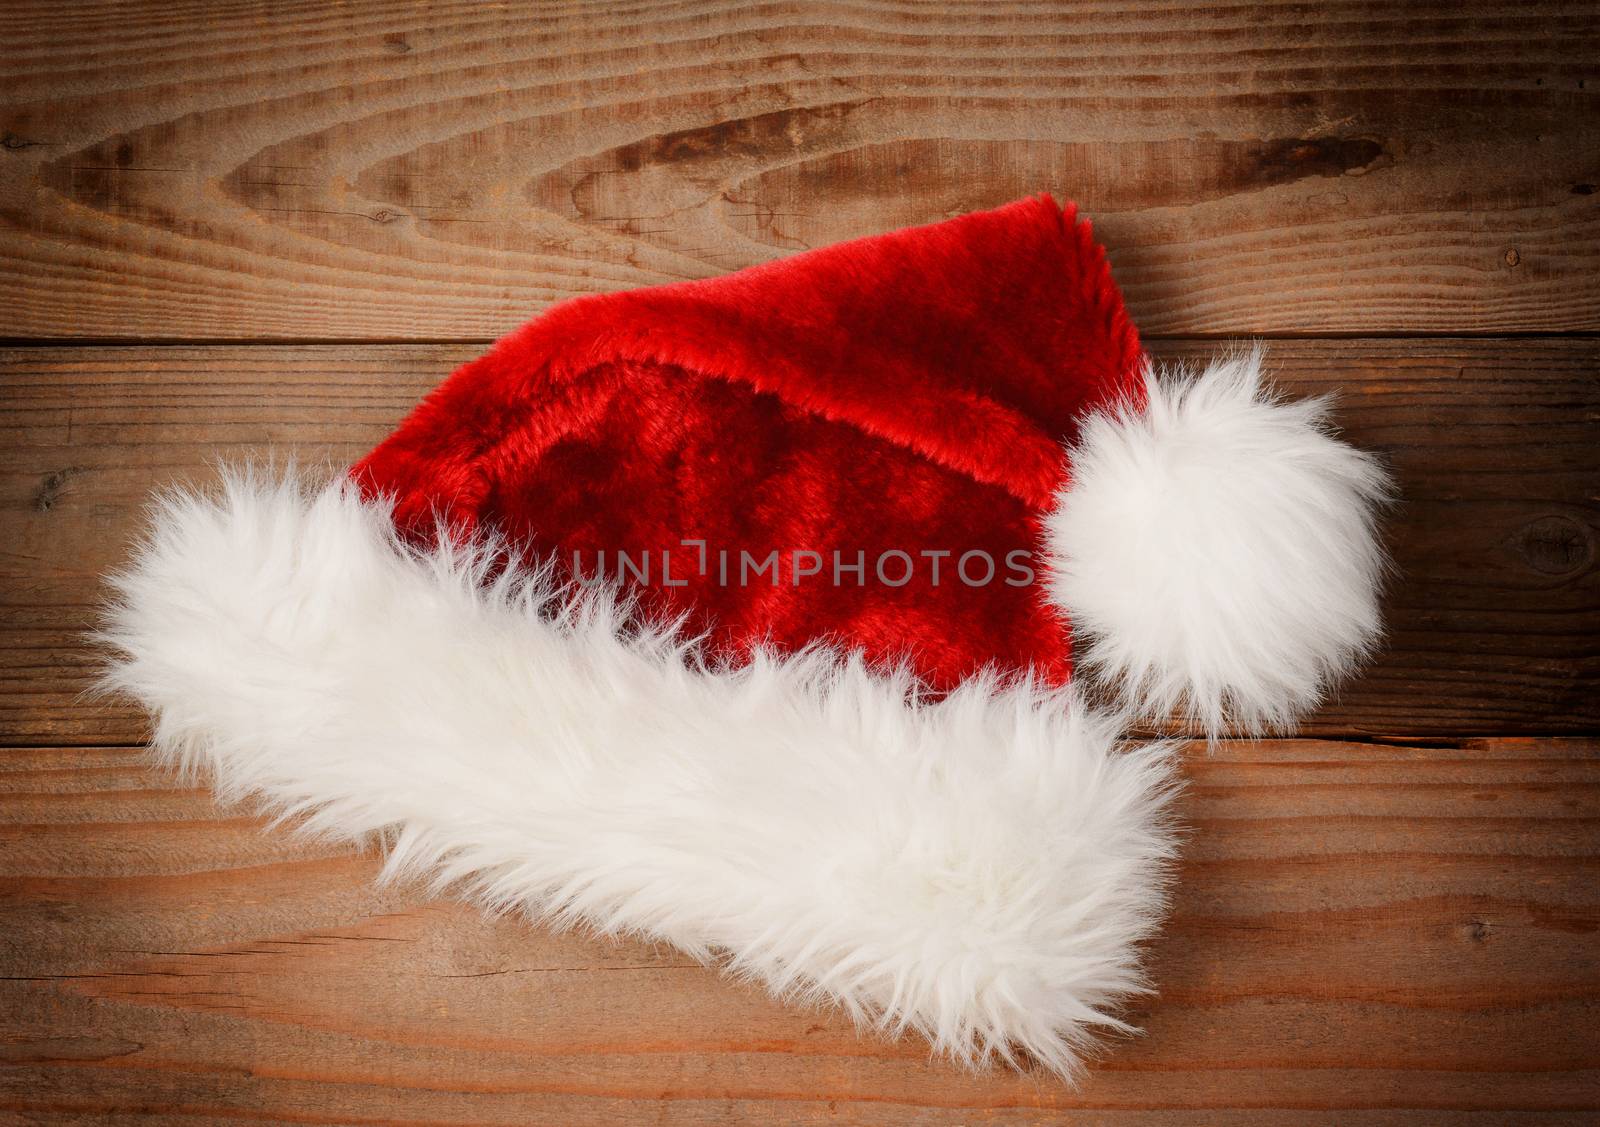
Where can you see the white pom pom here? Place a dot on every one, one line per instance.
(1215, 550)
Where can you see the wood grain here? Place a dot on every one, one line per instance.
(1496, 445)
(390, 170)
(1363, 933)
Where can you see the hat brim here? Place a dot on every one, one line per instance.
(980, 868)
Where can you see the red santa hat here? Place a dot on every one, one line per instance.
(870, 505)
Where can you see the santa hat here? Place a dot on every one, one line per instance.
(868, 505)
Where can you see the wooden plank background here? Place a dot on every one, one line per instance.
(227, 229)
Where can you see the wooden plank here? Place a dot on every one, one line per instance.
(1496, 445)
(1362, 933)
(388, 170)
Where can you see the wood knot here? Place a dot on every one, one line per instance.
(1477, 931)
(1285, 159)
(1512, 256)
(396, 44)
(1555, 545)
(53, 487)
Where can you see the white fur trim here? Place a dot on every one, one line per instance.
(1215, 550)
(980, 869)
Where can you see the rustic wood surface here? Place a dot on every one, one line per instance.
(233, 229)
(1493, 612)
(396, 170)
(1400, 930)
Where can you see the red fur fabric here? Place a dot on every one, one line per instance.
(909, 392)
